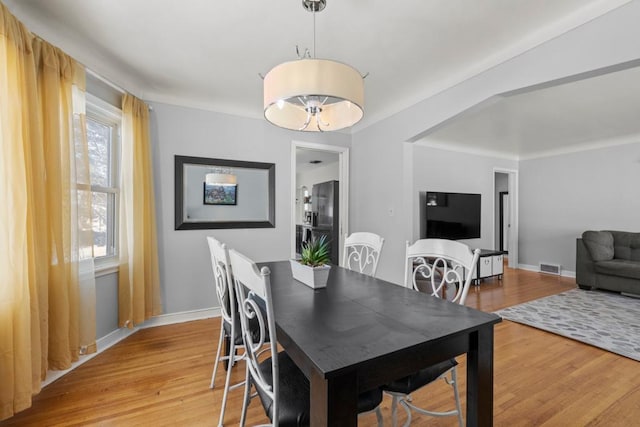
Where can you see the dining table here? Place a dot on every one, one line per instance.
(360, 332)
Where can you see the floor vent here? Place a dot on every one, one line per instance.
(550, 268)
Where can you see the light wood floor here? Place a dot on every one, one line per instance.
(160, 377)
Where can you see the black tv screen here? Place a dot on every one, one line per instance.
(452, 216)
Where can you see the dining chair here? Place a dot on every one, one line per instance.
(442, 268)
(281, 386)
(362, 251)
(230, 329)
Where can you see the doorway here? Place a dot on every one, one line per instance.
(505, 213)
(504, 221)
(312, 164)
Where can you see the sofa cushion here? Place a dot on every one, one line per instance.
(599, 244)
(619, 267)
(626, 245)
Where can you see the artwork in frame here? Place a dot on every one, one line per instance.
(220, 194)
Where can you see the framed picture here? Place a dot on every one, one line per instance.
(220, 194)
(206, 194)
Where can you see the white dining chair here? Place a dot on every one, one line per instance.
(362, 252)
(444, 269)
(283, 389)
(230, 326)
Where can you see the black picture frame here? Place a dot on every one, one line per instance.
(212, 194)
(181, 162)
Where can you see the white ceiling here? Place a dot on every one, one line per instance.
(207, 53)
(304, 157)
(587, 113)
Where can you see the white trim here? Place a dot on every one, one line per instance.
(513, 187)
(343, 162)
(102, 344)
(587, 146)
(118, 335)
(536, 269)
(452, 146)
(181, 317)
(105, 270)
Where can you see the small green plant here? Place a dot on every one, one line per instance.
(315, 252)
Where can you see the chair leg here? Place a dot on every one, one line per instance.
(454, 378)
(247, 397)
(406, 407)
(217, 361)
(394, 411)
(379, 417)
(231, 362)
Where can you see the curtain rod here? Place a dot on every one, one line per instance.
(105, 81)
(109, 83)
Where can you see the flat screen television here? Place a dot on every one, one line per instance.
(452, 216)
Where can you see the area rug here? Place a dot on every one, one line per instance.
(603, 319)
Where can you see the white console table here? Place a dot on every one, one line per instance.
(490, 264)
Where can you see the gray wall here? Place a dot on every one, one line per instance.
(381, 167)
(107, 304)
(185, 266)
(562, 196)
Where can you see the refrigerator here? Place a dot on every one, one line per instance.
(325, 217)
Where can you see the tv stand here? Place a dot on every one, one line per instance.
(490, 264)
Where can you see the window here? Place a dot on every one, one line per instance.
(103, 136)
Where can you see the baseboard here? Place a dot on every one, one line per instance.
(102, 344)
(118, 335)
(536, 269)
(181, 317)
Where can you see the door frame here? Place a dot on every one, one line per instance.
(513, 213)
(343, 178)
(500, 213)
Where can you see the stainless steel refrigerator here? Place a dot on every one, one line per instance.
(326, 215)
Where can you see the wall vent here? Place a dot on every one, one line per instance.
(549, 268)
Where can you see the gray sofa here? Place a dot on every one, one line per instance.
(609, 260)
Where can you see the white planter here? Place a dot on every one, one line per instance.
(314, 277)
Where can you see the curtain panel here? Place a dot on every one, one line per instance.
(47, 310)
(138, 278)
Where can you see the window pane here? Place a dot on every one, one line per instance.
(103, 229)
(99, 139)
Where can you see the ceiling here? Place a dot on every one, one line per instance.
(304, 157)
(207, 54)
(569, 116)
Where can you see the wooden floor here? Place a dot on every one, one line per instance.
(160, 377)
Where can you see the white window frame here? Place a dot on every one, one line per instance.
(105, 113)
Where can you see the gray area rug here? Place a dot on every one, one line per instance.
(606, 320)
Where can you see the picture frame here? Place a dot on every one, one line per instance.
(220, 194)
(254, 209)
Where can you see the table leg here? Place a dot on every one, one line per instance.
(480, 378)
(334, 402)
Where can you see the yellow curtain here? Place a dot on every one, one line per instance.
(138, 278)
(41, 144)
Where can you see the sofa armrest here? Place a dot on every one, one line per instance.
(585, 272)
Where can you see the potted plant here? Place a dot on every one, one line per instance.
(313, 267)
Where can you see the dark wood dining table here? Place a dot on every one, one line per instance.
(360, 332)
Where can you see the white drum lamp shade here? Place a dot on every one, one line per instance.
(220, 179)
(313, 95)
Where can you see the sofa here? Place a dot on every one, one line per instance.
(609, 260)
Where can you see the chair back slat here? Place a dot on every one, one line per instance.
(253, 290)
(362, 252)
(446, 265)
(222, 277)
